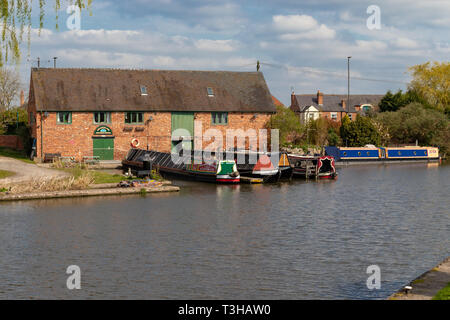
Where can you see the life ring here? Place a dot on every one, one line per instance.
(135, 143)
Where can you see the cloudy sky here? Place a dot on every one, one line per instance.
(302, 45)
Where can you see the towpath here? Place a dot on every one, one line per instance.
(428, 285)
(26, 171)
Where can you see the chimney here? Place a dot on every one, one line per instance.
(22, 98)
(344, 104)
(319, 98)
(293, 100)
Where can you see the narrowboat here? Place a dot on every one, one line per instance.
(374, 154)
(269, 166)
(217, 171)
(410, 153)
(370, 153)
(319, 167)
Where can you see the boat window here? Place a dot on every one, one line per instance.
(359, 153)
(368, 153)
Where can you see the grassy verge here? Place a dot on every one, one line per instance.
(19, 155)
(5, 174)
(100, 177)
(444, 294)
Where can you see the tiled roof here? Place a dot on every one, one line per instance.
(333, 102)
(120, 90)
(277, 102)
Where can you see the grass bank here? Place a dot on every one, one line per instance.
(444, 294)
(98, 177)
(432, 285)
(6, 174)
(15, 154)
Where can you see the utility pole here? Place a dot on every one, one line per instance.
(54, 62)
(348, 88)
(39, 62)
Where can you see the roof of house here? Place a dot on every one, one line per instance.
(333, 102)
(120, 90)
(277, 102)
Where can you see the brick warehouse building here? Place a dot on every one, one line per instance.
(100, 112)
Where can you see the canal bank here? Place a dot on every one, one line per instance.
(294, 240)
(89, 193)
(29, 181)
(428, 285)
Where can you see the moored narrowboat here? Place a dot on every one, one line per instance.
(320, 167)
(269, 166)
(411, 153)
(217, 171)
(372, 154)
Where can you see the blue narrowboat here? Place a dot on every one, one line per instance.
(354, 154)
(374, 154)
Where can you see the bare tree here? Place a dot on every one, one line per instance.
(9, 87)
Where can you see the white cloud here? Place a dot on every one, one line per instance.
(215, 45)
(364, 45)
(89, 58)
(405, 43)
(321, 33)
(294, 23)
(296, 27)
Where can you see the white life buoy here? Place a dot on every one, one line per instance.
(135, 143)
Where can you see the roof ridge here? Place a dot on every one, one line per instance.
(140, 69)
(341, 94)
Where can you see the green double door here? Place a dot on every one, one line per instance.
(185, 121)
(104, 148)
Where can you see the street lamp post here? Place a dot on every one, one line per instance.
(348, 85)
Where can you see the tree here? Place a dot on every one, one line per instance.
(9, 87)
(321, 130)
(417, 123)
(12, 119)
(360, 132)
(333, 138)
(289, 125)
(393, 102)
(432, 82)
(15, 17)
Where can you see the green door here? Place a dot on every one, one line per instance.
(183, 120)
(104, 148)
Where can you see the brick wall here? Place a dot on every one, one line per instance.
(236, 121)
(75, 139)
(12, 142)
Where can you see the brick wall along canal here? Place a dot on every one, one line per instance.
(300, 240)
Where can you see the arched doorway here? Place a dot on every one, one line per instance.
(103, 143)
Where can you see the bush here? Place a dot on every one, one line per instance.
(414, 123)
(360, 132)
(12, 119)
(333, 138)
(288, 123)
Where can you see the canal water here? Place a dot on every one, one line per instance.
(298, 240)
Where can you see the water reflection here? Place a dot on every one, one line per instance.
(294, 240)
